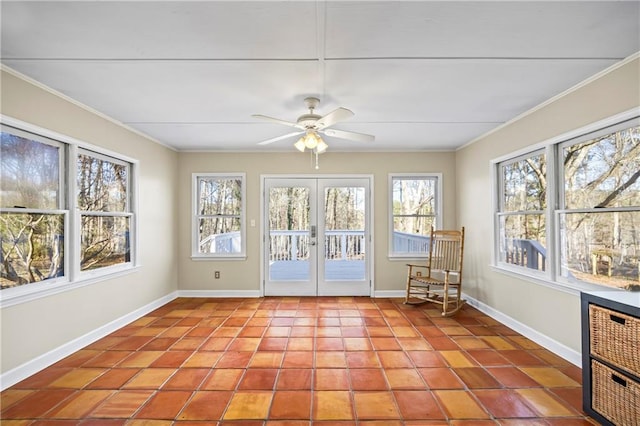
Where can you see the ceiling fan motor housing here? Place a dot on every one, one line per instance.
(308, 121)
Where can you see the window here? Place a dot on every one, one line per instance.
(415, 208)
(589, 230)
(599, 216)
(43, 179)
(218, 224)
(33, 215)
(522, 212)
(105, 216)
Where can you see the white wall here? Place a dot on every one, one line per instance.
(245, 275)
(554, 313)
(32, 329)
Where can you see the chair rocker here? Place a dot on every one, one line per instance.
(440, 279)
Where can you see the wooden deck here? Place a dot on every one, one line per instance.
(298, 270)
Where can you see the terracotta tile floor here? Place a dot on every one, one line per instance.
(332, 361)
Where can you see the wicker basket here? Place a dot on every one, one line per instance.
(615, 338)
(615, 396)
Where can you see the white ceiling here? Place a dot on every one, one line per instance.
(418, 75)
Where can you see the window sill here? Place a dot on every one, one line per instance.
(407, 258)
(218, 258)
(574, 288)
(34, 291)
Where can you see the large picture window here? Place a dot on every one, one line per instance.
(64, 210)
(219, 215)
(589, 230)
(415, 208)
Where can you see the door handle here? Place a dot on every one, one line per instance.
(313, 231)
(313, 243)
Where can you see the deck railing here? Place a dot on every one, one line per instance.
(294, 245)
(228, 242)
(404, 242)
(528, 253)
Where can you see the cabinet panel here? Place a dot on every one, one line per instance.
(615, 338)
(614, 395)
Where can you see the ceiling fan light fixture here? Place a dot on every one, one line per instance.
(300, 146)
(311, 139)
(322, 147)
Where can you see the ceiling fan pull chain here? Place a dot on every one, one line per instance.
(315, 151)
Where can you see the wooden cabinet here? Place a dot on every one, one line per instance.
(611, 357)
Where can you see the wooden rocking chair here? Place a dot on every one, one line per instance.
(440, 279)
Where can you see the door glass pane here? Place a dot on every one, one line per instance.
(289, 234)
(344, 242)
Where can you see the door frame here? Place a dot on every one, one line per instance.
(370, 220)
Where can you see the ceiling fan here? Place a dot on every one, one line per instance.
(312, 125)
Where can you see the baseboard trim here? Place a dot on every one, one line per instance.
(219, 293)
(543, 340)
(29, 368)
(390, 294)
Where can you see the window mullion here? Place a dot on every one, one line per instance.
(553, 191)
(73, 244)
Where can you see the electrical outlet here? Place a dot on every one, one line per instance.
(217, 275)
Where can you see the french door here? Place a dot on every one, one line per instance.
(317, 239)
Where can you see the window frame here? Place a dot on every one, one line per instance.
(555, 201)
(499, 213)
(73, 278)
(393, 255)
(195, 237)
(128, 213)
(561, 207)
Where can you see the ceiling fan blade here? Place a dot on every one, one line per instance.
(333, 117)
(342, 134)
(277, 120)
(279, 138)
